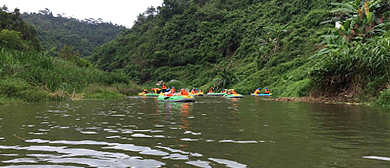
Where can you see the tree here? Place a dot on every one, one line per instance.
(11, 39)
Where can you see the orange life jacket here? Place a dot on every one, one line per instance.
(183, 92)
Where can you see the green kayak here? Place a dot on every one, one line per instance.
(215, 94)
(171, 98)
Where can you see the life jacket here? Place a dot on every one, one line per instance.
(257, 91)
(210, 90)
(155, 90)
(163, 87)
(184, 92)
(266, 91)
(173, 90)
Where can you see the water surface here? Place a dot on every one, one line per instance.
(212, 132)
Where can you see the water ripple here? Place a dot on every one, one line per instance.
(377, 158)
(240, 142)
(228, 163)
(198, 163)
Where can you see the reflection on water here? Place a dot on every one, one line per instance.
(211, 132)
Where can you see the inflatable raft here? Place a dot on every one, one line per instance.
(232, 96)
(215, 94)
(148, 94)
(179, 98)
(188, 98)
(197, 94)
(262, 94)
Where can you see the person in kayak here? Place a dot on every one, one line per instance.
(145, 91)
(193, 91)
(173, 90)
(156, 90)
(223, 91)
(231, 91)
(257, 91)
(163, 87)
(211, 90)
(266, 90)
(168, 93)
(196, 90)
(183, 92)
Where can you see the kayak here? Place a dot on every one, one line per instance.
(175, 98)
(148, 94)
(262, 94)
(197, 94)
(188, 98)
(232, 96)
(215, 94)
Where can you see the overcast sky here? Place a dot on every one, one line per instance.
(121, 12)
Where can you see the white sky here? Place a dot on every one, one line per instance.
(121, 12)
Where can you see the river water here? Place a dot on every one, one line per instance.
(211, 132)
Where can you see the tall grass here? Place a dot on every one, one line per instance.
(26, 71)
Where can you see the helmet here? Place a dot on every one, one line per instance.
(196, 88)
(173, 87)
(145, 90)
(265, 87)
(258, 88)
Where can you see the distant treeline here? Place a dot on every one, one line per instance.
(84, 36)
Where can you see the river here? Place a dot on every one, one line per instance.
(211, 132)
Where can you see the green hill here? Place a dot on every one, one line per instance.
(290, 46)
(28, 74)
(59, 31)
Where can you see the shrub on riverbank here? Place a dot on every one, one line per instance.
(383, 99)
(21, 90)
(32, 76)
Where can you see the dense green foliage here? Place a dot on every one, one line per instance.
(291, 46)
(216, 42)
(28, 74)
(355, 60)
(31, 76)
(15, 33)
(59, 31)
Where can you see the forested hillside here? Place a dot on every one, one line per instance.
(84, 36)
(29, 73)
(291, 46)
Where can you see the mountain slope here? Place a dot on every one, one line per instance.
(83, 35)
